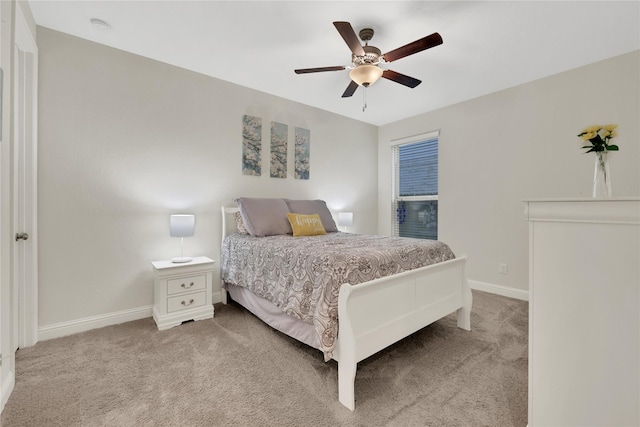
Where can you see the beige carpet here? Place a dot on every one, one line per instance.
(235, 371)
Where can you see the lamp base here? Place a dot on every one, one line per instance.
(181, 259)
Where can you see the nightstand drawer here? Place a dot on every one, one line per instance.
(184, 284)
(183, 302)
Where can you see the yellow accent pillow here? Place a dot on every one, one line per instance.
(306, 225)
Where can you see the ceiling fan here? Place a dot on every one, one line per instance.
(366, 59)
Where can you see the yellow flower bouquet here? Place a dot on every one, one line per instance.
(599, 137)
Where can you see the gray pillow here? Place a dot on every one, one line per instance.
(264, 217)
(309, 207)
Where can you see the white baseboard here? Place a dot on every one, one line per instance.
(71, 327)
(6, 388)
(63, 329)
(499, 290)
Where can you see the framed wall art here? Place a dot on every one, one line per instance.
(302, 153)
(279, 142)
(251, 145)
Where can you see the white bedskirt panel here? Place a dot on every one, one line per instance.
(273, 316)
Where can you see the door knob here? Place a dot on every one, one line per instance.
(21, 236)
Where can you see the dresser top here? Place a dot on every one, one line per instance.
(198, 260)
(617, 210)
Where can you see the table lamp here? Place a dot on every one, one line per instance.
(182, 225)
(345, 219)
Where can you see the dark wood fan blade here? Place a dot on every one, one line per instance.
(413, 47)
(401, 78)
(318, 70)
(346, 31)
(350, 89)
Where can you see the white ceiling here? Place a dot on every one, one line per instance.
(488, 46)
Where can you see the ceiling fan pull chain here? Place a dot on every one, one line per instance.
(364, 99)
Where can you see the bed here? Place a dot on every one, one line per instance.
(349, 320)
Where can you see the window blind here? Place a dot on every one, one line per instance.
(415, 189)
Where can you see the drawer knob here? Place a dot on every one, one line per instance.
(185, 286)
(189, 303)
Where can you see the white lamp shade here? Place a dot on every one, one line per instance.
(365, 75)
(182, 225)
(345, 219)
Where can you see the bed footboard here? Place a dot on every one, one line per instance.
(376, 314)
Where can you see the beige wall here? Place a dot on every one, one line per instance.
(125, 141)
(520, 143)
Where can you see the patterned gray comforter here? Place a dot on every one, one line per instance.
(302, 275)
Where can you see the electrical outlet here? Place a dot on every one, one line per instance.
(502, 268)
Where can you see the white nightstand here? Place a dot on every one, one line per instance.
(182, 291)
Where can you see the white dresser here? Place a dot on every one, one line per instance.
(584, 312)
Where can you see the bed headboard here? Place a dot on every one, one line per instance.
(228, 222)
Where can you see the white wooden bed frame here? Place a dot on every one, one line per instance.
(375, 314)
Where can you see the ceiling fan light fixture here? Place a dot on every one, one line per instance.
(365, 75)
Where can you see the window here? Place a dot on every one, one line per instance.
(415, 187)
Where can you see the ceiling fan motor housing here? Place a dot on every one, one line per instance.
(366, 70)
(372, 56)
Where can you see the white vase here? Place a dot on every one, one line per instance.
(601, 176)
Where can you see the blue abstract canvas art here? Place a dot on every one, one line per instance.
(251, 145)
(279, 142)
(302, 152)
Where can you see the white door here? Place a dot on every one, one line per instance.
(25, 283)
